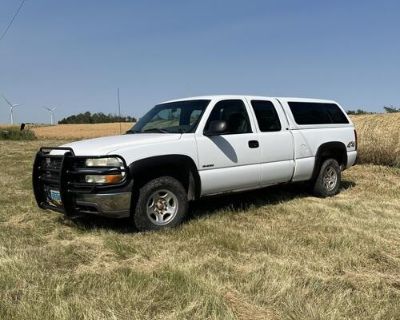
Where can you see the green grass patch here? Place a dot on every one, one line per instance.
(14, 133)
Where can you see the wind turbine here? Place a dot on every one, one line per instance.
(51, 110)
(12, 106)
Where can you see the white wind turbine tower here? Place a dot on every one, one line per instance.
(12, 106)
(51, 110)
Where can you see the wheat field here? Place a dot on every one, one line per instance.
(379, 138)
(80, 131)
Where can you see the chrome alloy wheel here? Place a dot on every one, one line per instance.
(330, 178)
(162, 207)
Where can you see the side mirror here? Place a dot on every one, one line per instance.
(216, 128)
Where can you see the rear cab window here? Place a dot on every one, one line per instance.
(267, 117)
(309, 113)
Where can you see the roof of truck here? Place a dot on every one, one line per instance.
(252, 97)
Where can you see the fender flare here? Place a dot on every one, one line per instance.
(182, 165)
(333, 149)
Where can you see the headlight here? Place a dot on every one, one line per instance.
(104, 162)
(113, 178)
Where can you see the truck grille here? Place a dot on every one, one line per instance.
(50, 169)
(47, 179)
(58, 178)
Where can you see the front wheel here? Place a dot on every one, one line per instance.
(161, 203)
(328, 180)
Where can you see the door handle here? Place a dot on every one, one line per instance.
(253, 144)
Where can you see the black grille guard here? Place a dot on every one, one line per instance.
(64, 177)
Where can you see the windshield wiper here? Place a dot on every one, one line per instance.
(132, 131)
(156, 130)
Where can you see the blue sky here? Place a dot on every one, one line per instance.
(74, 54)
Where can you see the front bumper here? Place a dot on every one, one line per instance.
(64, 175)
(115, 205)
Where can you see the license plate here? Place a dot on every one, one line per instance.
(55, 195)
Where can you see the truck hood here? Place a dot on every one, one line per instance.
(108, 145)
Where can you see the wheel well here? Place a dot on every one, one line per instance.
(330, 150)
(179, 167)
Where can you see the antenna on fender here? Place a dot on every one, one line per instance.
(119, 111)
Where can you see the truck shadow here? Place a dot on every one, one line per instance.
(208, 206)
(254, 199)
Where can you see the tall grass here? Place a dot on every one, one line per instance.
(378, 138)
(14, 133)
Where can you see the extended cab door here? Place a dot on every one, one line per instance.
(231, 160)
(276, 141)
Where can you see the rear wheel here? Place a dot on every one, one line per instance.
(328, 181)
(160, 203)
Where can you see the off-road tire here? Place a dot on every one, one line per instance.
(142, 220)
(327, 183)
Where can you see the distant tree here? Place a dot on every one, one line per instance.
(391, 109)
(98, 117)
(358, 111)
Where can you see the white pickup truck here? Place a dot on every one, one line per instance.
(185, 149)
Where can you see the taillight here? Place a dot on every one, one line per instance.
(355, 137)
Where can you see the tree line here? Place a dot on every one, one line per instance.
(100, 117)
(97, 117)
(387, 109)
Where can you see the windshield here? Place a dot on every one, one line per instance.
(172, 117)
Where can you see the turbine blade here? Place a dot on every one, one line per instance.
(8, 102)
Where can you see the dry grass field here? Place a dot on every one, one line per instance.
(276, 253)
(80, 131)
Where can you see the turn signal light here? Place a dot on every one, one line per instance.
(104, 179)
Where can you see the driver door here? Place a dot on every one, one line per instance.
(229, 161)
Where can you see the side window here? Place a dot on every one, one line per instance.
(317, 113)
(335, 113)
(195, 116)
(234, 113)
(267, 117)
